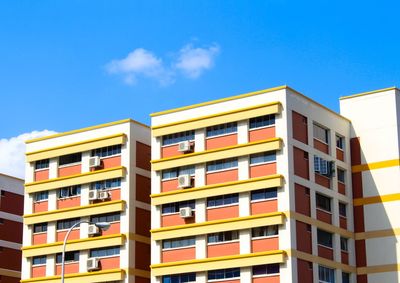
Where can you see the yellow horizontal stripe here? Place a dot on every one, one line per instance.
(77, 179)
(139, 238)
(95, 276)
(72, 212)
(215, 119)
(378, 234)
(216, 154)
(368, 92)
(86, 130)
(246, 222)
(10, 273)
(214, 263)
(74, 245)
(375, 165)
(76, 147)
(138, 272)
(378, 269)
(376, 199)
(218, 189)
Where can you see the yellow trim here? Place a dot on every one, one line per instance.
(72, 212)
(321, 260)
(368, 92)
(218, 189)
(214, 263)
(375, 165)
(378, 234)
(139, 238)
(138, 272)
(376, 199)
(74, 245)
(83, 178)
(216, 154)
(320, 224)
(87, 129)
(215, 119)
(378, 269)
(10, 273)
(76, 147)
(217, 101)
(95, 276)
(245, 222)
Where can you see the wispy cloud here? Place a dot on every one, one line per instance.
(12, 152)
(190, 61)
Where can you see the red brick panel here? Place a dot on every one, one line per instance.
(142, 222)
(15, 227)
(12, 203)
(300, 158)
(304, 271)
(10, 258)
(142, 256)
(299, 124)
(143, 188)
(302, 199)
(303, 236)
(143, 156)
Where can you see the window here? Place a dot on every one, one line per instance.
(68, 192)
(223, 273)
(175, 172)
(66, 224)
(222, 164)
(69, 257)
(262, 121)
(344, 244)
(109, 217)
(40, 227)
(342, 209)
(222, 129)
(42, 164)
(324, 238)
(176, 206)
(70, 158)
(179, 278)
(323, 167)
(345, 277)
(264, 194)
(341, 176)
(263, 157)
(321, 133)
(223, 237)
(178, 137)
(266, 269)
(326, 275)
(36, 260)
(2, 193)
(340, 142)
(103, 252)
(1, 221)
(323, 202)
(107, 151)
(264, 231)
(223, 200)
(106, 184)
(179, 243)
(40, 196)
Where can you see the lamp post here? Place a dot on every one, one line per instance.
(101, 225)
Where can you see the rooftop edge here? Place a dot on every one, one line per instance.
(369, 92)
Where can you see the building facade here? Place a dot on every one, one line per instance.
(11, 210)
(258, 188)
(95, 174)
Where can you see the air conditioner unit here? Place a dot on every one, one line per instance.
(104, 195)
(184, 146)
(184, 181)
(186, 212)
(93, 194)
(94, 161)
(93, 230)
(93, 264)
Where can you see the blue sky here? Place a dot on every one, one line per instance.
(62, 68)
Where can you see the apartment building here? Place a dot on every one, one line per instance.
(87, 176)
(11, 210)
(252, 188)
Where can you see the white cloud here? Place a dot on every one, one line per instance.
(12, 152)
(194, 61)
(190, 61)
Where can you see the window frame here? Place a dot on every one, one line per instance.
(318, 198)
(107, 151)
(267, 272)
(326, 269)
(262, 119)
(68, 254)
(262, 155)
(183, 243)
(106, 185)
(318, 127)
(42, 162)
(41, 193)
(340, 139)
(114, 248)
(264, 192)
(227, 129)
(232, 161)
(221, 237)
(224, 198)
(323, 244)
(267, 229)
(113, 217)
(178, 172)
(179, 137)
(225, 272)
(73, 220)
(71, 193)
(177, 206)
(40, 257)
(170, 278)
(43, 225)
(70, 163)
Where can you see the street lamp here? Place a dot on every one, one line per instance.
(101, 225)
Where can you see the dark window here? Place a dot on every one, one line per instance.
(42, 164)
(106, 184)
(66, 224)
(342, 209)
(107, 151)
(345, 277)
(264, 231)
(264, 194)
(2, 193)
(70, 158)
(179, 243)
(324, 238)
(39, 196)
(176, 206)
(262, 121)
(222, 129)
(36, 260)
(175, 172)
(323, 202)
(326, 275)
(109, 217)
(223, 200)
(321, 133)
(263, 157)
(339, 142)
(104, 252)
(223, 237)
(179, 278)
(344, 244)
(223, 273)
(69, 257)
(68, 192)
(266, 269)
(341, 175)
(1, 221)
(222, 164)
(40, 227)
(178, 137)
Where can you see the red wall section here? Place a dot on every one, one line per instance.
(339, 154)
(303, 238)
(74, 235)
(361, 254)
(6, 227)
(325, 252)
(175, 219)
(40, 206)
(262, 170)
(141, 280)
(12, 203)
(8, 279)
(143, 156)
(300, 163)
(266, 206)
(39, 238)
(223, 249)
(110, 162)
(221, 141)
(69, 170)
(72, 267)
(142, 256)
(304, 272)
(265, 244)
(262, 134)
(321, 146)
(342, 188)
(142, 222)
(41, 175)
(178, 254)
(109, 263)
(143, 188)
(343, 222)
(115, 228)
(169, 185)
(323, 181)
(300, 130)
(222, 212)
(222, 177)
(345, 257)
(324, 216)
(302, 201)
(38, 271)
(10, 259)
(68, 202)
(267, 279)
(170, 150)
